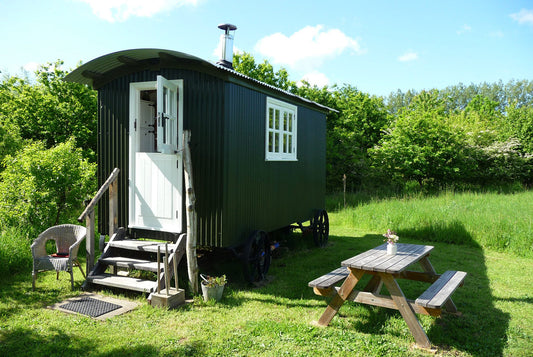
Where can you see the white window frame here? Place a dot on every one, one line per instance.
(281, 131)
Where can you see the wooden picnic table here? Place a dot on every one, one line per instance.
(385, 270)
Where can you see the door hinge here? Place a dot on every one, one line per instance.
(135, 125)
(177, 214)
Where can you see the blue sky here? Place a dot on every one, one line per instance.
(376, 46)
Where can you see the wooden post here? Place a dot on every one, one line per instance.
(113, 207)
(344, 188)
(88, 215)
(159, 269)
(167, 273)
(175, 264)
(89, 241)
(192, 263)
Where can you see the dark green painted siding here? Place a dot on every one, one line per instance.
(237, 191)
(268, 195)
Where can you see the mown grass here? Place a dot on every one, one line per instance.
(276, 319)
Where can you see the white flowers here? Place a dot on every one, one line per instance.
(391, 236)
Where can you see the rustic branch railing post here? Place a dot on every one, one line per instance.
(190, 198)
(89, 241)
(113, 207)
(88, 214)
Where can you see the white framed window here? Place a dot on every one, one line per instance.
(281, 129)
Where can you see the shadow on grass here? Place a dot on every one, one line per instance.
(31, 342)
(480, 331)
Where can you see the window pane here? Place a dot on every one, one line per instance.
(290, 144)
(165, 95)
(290, 122)
(281, 128)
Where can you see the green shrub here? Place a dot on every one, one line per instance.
(420, 146)
(520, 121)
(500, 163)
(43, 187)
(10, 140)
(15, 253)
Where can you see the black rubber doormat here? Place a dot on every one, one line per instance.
(89, 306)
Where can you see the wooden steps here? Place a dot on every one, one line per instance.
(122, 253)
(130, 263)
(123, 282)
(142, 245)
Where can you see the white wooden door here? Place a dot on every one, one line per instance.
(167, 116)
(156, 170)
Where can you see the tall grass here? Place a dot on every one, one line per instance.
(15, 253)
(502, 222)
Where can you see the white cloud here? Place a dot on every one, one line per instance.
(523, 17)
(31, 66)
(465, 28)
(315, 78)
(121, 10)
(496, 34)
(408, 56)
(306, 48)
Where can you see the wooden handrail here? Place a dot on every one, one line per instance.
(88, 214)
(101, 191)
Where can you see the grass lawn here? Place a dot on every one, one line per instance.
(276, 319)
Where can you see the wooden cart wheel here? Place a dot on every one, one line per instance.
(256, 257)
(320, 227)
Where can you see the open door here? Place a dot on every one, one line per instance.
(167, 116)
(156, 162)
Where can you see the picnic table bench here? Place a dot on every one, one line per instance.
(385, 269)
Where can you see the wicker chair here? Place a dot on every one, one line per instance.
(68, 238)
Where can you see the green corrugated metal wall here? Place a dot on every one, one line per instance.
(268, 195)
(237, 191)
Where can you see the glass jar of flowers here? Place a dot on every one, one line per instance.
(391, 238)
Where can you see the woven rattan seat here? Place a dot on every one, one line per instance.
(68, 238)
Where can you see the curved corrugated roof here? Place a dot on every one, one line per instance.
(109, 66)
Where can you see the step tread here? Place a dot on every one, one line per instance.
(123, 282)
(142, 245)
(131, 263)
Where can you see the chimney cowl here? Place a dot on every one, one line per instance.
(226, 59)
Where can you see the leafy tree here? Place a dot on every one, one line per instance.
(457, 97)
(264, 72)
(357, 128)
(51, 110)
(420, 146)
(10, 140)
(520, 125)
(42, 187)
(481, 122)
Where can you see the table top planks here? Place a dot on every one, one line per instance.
(376, 259)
